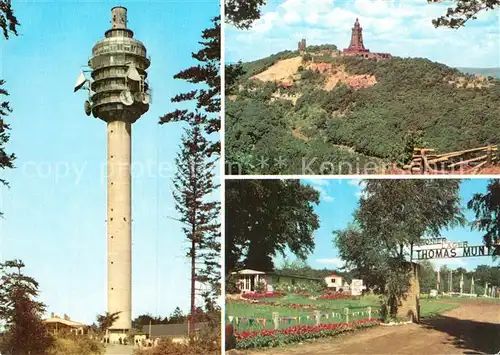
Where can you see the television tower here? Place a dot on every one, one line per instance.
(119, 95)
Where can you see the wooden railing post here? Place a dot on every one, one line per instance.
(423, 164)
(489, 159)
(346, 315)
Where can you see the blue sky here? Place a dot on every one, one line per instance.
(339, 199)
(400, 27)
(55, 210)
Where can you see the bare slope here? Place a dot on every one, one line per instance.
(287, 70)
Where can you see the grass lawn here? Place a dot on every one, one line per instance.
(432, 307)
(467, 299)
(358, 309)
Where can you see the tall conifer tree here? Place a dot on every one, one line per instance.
(194, 180)
(194, 183)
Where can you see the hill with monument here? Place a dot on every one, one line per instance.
(354, 106)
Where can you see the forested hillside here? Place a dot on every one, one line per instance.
(333, 112)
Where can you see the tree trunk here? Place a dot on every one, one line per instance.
(193, 284)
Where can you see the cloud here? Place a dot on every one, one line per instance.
(328, 198)
(403, 28)
(360, 186)
(337, 262)
(354, 182)
(320, 186)
(321, 182)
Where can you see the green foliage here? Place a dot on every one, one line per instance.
(207, 96)
(8, 24)
(232, 286)
(71, 344)
(6, 160)
(146, 319)
(106, 321)
(242, 13)
(306, 58)
(267, 217)
(260, 287)
(206, 343)
(177, 317)
(394, 214)
(321, 47)
(21, 313)
(259, 137)
(434, 308)
(301, 268)
(463, 11)
(193, 183)
(309, 287)
(8, 21)
(427, 276)
(415, 101)
(325, 59)
(487, 210)
(194, 179)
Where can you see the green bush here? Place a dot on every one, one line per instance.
(76, 345)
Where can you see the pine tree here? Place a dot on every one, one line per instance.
(207, 73)
(194, 180)
(8, 24)
(193, 186)
(19, 310)
(106, 321)
(6, 160)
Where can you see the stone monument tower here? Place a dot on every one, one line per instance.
(356, 45)
(118, 95)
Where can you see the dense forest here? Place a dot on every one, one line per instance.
(414, 102)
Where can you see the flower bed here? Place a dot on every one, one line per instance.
(294, 334)
(258, 296)
(334, 296)
(291, 305)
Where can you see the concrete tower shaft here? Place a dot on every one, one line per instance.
(119, 223)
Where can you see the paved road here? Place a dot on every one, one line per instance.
(119, 350)
(470, 329)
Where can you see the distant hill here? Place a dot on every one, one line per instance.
(494, 72)
(321, 109)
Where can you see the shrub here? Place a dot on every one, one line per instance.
(76, 345)
(260, 287)
(208, 342)
(232, 286)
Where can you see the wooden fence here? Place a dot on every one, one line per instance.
(425, 161)
(277, 321)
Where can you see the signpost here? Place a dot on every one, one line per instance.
(357, 287)
(454, 250)
(441, 248)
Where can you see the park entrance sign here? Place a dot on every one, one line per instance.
(440, 248)
(453, 252)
